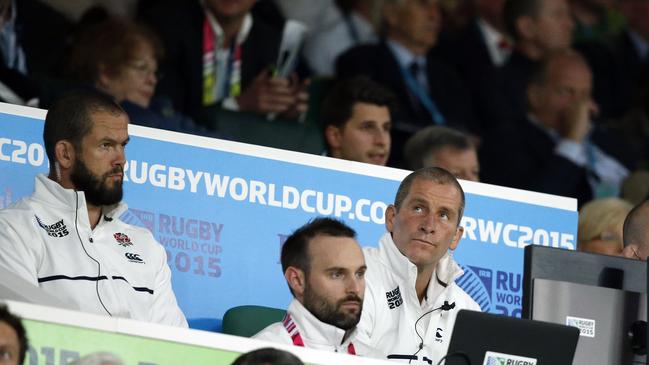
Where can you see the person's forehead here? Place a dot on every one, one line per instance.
(364, 110)
(568, 70)
(108, 122)
(327, 251)
(455, 156)
(434, 192)
(8, 335)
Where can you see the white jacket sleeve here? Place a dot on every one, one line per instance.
(165, 308)
(16, 255)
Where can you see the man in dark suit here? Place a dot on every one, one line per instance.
(218, 55)
(553, 150)
(429, 91)
(620, 64)
(484, 43)
(538, 28)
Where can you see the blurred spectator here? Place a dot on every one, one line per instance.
(636, 232)
(635, 187)
(443, 147)
(98, 358)
(538, 27)
(596, 19)
(13, 338)
(601, 223)
(553, 149)
(120, 58)
(620, 63)
(484, 42)
(267, 356)
(15, 86)
(217, 56)
(429, 91)
(75, 10)
(353, 27)
(357, 122)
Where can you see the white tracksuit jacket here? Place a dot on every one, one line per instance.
(391, 306)
(314, 334)
(44, 239)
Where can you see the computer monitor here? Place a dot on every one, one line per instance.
(488, 339)
(604, 296)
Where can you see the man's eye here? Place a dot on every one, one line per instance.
(336, 275)
(5, 355)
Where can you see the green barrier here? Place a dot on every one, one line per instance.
(55, 344)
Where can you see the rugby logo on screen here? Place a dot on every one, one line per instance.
(586, 326)
(496, 358)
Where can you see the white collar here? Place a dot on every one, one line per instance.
(313, 331)
(493, 37)
(218, 31)
(403, 55)
(446, 271)
(52, 193)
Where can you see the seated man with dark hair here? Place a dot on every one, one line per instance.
(443, 147)
(356, 116)
(67, 237)
(13, 338)
(325, 270)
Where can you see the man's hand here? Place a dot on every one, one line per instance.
(575, 124)
(301, 97)
(269, 94)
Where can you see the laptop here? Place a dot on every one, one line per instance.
(488, 339)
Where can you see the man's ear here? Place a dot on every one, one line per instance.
(64, 154)
(333, 135)
(630, 251)
(296, 280)
(457, 237)
(390, 214)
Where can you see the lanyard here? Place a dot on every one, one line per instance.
(232, 85)
(421, 94)
(292, 330)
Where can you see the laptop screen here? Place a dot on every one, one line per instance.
(488, 339)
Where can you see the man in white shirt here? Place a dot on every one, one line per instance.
(411, 296)
(67, 237)
(324, 268)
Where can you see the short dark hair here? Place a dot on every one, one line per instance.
(267, 356)
(515, 9)
(434, 174)
(339, 104)
(635, 224)
(70, 118)
(14, 322)
(295, 251)
(431, 139)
